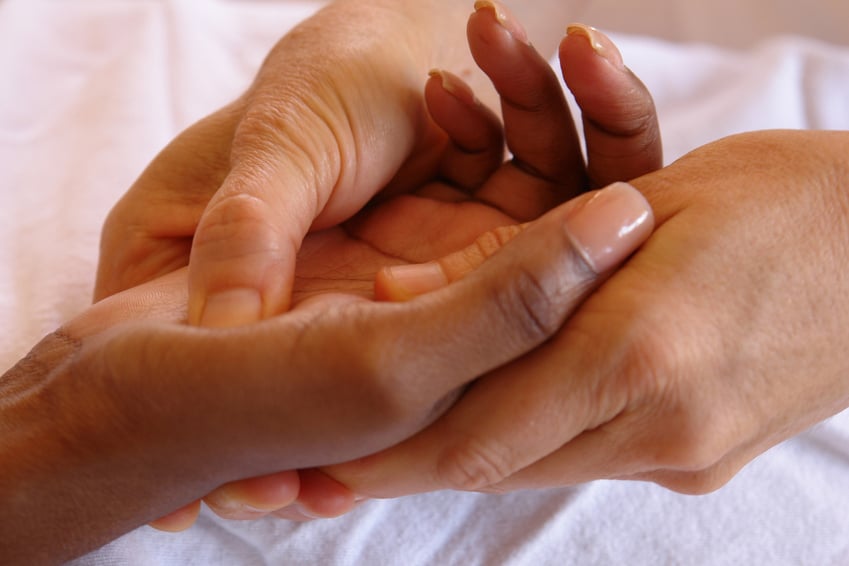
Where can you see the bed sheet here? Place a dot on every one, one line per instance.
(92, 90)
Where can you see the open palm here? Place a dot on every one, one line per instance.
(406, 229)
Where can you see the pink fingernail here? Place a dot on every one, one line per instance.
(409, 281)
(504, 17)
(607, 227)
(233, 508)
(600, 43)
(233, 307)
(455, 86)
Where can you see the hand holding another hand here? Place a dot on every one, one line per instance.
(720, 338)
(453, 188)
(335, 379)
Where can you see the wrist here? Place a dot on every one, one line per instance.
(75, 473)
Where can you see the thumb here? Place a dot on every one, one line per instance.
(526, 290)
(243, 253)
(293, 169)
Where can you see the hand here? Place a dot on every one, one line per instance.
(721, 337)
(149, 232)
(622, 141)
(334, 115)
(304, 148)
(135, 419)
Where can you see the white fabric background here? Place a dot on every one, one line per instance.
(90, 91)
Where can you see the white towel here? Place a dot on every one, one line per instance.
(92, 90)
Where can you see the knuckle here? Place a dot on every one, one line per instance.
(690, 448)
(313, 144)
(650, 363)
(266, 118)
(473, 464)
(393, 391)
(240, 221)
(527, 306)
(495, 239)
(661, 374)
(633, 120)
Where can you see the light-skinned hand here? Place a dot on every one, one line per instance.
(721, 337)
(622, 141)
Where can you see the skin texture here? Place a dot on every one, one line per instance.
(303, 148)
(334, 379)
(149, 231)
(352, 384)
(718, 339)
(713, 357)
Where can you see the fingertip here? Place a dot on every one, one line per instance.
(233, 307)
(453, 85)
(620, 120)
(504, 17)
(242, 260)
(582, 36)
(322, 497)
(403, 282)
(253, 498)
(608, 225)
(179, 520)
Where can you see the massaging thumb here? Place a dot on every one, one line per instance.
(242, 262)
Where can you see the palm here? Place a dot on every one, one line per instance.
(409, 228)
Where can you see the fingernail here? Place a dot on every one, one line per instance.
(233, 509)
(600, 43)
(405, 282)
(455, 86)
(504, 17)
(233, 307)
(608, 226)
(306, 512)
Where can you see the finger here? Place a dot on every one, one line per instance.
(619, 117)
(477, 143)
(495, 428)
(321, 496)
(640, 449)
(538, 126)
(500, 426)
(613, 450)
(179, 520)
(255, 497)
(243, 253)
(305, 156)
(538, 283)
(287, 161)
(404, 282)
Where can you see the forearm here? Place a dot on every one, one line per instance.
(73, 475)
